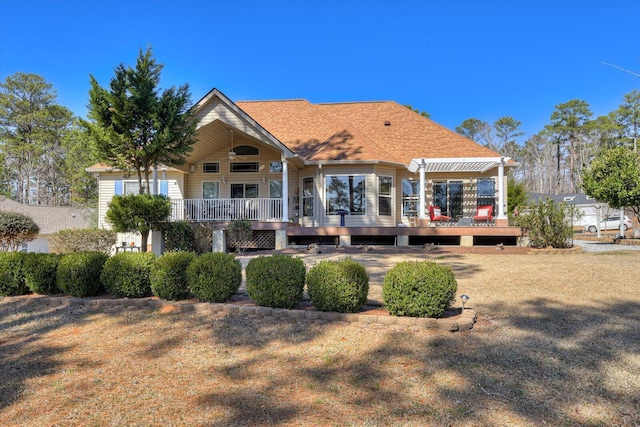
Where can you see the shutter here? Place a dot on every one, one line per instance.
(118, 189)
(164, 187)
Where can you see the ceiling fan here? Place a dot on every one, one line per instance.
(232, 154)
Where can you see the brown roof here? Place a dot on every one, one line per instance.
(357, 131)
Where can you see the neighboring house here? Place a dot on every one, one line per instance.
(588, 209)
(50, 219)
(360, 172)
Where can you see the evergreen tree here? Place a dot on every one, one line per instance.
(135, 126)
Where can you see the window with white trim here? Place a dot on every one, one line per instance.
(243, 167)
(346, 192)
(385, 183)
(307, 197)
(211, 190)
(213, 167)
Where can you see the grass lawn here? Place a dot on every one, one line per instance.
(557, 342)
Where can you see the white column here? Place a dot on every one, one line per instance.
(285, 191)
(421, 189)
(501, 214)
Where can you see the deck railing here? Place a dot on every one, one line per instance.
(226, 209)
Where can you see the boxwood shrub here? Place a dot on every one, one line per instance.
(78, 274)
(276, 281)
(40, 272)
(127, 274)
(11, 273)
(214, 276)
(169, 275)
(340, 286)
(419, 289)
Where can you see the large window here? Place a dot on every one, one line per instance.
(448, 197)
(486, 193)
(384, 195)
(244, 191)
(210, 190)
(346, 193)
(307, 197)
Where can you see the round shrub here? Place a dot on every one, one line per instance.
(40, 272)
(419, 289)
(78, 274)
(127, 274)
(214, 276)
(11, 273)
(340, 286)
(169, 275)
(276, 281)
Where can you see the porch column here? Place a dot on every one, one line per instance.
(501, 214)
(285, 191)
(421, 189)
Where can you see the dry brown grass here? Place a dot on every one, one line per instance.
(557, 342)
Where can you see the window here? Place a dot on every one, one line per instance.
(410, 195)
(448, 197)
(240, 167)
(384, 195)
(486, 193)
(275, 167)
(210, 190)
(244, 191)
(307, 197)
(246, 150)
(275, 189)
(346, 193)
(131, 187)
(211, 167)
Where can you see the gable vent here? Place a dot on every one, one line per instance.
(387, 123)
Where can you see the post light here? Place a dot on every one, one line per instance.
(464, 298)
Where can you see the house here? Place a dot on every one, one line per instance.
(50, 219)
(359, 172)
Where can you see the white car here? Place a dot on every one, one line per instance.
(610, 223)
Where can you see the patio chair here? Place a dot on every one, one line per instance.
(483, 214)
(435, 214)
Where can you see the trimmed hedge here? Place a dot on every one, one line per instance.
(340, 286)
(276, 281)
(11, 274)
(419, 289)
(78, 274)
(169, 275)
(127, 274)
(214, 277)
(40, 272)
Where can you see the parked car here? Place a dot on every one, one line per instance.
(609, 223)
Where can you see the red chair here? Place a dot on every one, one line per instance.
(435, 213)
(483, 214)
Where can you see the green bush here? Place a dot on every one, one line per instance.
(276, 281)
(127, 274)
(178, 236)
(340, 286)
(16, 229)
(202, 237)
(11, 273)
(169, 275)
(419, 289)
(78, 274)
(40, 272)
(548, 224)
(73, 240)
(214, 276)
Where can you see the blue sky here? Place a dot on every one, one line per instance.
(455, 59)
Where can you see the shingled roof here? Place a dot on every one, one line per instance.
(367, 131)
(50, 218)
